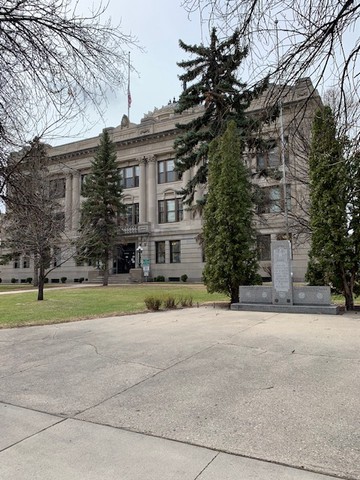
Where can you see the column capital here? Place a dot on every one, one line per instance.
(151, 158)
(142, 160)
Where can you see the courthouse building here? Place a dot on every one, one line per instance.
(159, 233)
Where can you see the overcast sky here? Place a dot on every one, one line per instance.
(158, 25)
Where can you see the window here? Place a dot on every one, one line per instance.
(57, 188)
(59, 218)
(264, 247)
(56, 256)
(272, 199)
(17, 261)
(26, 261)
(130, 176)
(166, 171)
(170, 210)
(268, 154)
(175, 251)
(132, 214)
(160, 252)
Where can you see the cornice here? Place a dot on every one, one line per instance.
(90, 152)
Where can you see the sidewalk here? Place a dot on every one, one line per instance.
(196, 394)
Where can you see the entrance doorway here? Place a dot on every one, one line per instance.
(124, 258)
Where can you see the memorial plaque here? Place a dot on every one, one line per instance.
(281, 272)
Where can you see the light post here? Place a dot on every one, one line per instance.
(139, 250)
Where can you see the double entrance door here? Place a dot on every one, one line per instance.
(124, 258)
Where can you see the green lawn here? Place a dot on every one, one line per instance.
(62, 305)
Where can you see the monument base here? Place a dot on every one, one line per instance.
(259, 298)
(266, 307)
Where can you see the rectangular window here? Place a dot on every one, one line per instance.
(26, 262)
(160, 252)
(166, 171)
(272, 199)
(59, 218)
(17, 261)
(132, 214)
(175, 251)
(130, 176)
(57, 188)
(170, 210)
(56, 256)
(268, 154)
(264, 247)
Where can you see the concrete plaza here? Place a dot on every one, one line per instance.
(193, 394)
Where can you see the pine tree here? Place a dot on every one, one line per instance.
(231, 258)
(100, 210)
(334, 243)
(210, 81)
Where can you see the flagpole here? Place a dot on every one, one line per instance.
(128, 88)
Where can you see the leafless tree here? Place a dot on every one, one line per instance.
(54, 62)
(34, 224)
(294, 38)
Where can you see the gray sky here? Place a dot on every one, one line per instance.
(158, 25)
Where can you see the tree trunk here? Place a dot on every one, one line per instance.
(234, 295)
(105, 267)
(41, 282)
(36, 275)
(106, 276)
(348, 291)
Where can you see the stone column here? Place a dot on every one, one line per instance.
(142, 191)
(68, 202)
(151, 191)
(75, 200)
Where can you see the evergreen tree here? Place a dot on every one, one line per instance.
(335, 235)
(210, 81)
(231, 258)
(100, 210)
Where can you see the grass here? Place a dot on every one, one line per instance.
(64, 305)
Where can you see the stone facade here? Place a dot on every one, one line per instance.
(166, 232)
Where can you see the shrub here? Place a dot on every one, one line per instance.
(0, 279)
(159, 278)
(46, 280)
(81, 279)
(185, 301)
(29, 279)
(184, 278)
(153, 303)
(14, 280)
(63, 279)
(169, 302)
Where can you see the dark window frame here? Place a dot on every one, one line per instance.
(166, 214)
(132, 214)
(264, 247)
(57, 187)
(269, 154)
(274, 202)
(133, 180)
(175, 251)
(166, 174)
(160, 252)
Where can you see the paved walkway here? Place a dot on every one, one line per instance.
(197, 394)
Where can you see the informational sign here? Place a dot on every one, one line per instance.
(146, 270)
(146, 262)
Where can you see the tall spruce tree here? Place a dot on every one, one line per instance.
(210, 80)
(101, 208)
(231, 258)
(335, 235)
